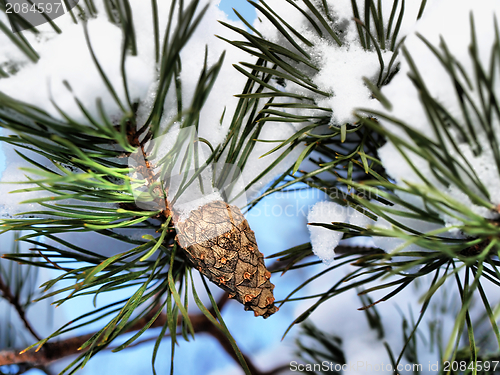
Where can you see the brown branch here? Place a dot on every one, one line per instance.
(53, 351)
(14, 301)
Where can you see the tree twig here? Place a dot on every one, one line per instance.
(53, 351)
(14, 301)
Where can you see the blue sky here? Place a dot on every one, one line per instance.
(242, 6)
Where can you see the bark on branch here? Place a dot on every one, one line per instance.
(14, 301)
(53, 351)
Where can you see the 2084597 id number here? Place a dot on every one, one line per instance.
(32, 8)
(464, 365)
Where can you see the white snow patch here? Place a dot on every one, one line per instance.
(341, 68)
(323, 240)
(456, 32)
(342, 72)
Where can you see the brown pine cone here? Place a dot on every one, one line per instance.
(219, 243)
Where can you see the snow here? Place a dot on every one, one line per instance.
(361, 344)
(229, 82)
(340, 316)
(55, 68)
(324, 240)
(342, 72)
(408, 108)
(178, 144)
(341, 68)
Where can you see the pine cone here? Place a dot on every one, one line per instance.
(219, 242)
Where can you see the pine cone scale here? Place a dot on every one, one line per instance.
(219, 243)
